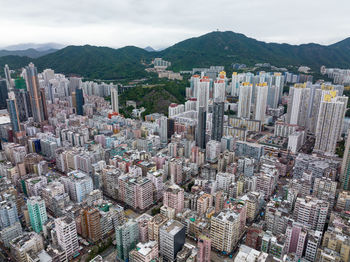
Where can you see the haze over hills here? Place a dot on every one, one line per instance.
(150, 49)
(31, 52)
(39, 47)
(215, 48)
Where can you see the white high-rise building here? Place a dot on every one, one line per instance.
(194, 82)
(261, 102)
(245, 100)
(78, 185)
(219, 90)
(203, 93)
(115, 99)
(330, 122)
(296, 105)
(67, 236)
(224, 180)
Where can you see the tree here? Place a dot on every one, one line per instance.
(190, 185)
(155, 211)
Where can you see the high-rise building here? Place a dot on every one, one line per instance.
(34, 92)
(201, 127)
(225, 230)
(137, 193)
(218, 121)
(3, 93)
(37, 213)
(13, 112)
(154, 226)
(219, 91)
(78, 185)
(204, 249)
(90, 223)
(330, 122)
(312, 245)
(43, 102)
(9, 82)
(115, 99)
(23, 104)
(213, 151)
(224, 180)
(8, 214)
(174, 198)
(203, 93)
(245, 100)
(171, 127)
(172, 238)
(261, 102)
(67, 236)
(298, 105)
(163, 129)
(10, 232)
(345, 167)
(204, 202)
(311, 212)
(79, 98)
(126, 238)
(296, 235)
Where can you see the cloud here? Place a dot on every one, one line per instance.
(161, 23)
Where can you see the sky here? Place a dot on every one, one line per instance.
(161, 23)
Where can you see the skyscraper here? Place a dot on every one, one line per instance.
(13, 112)
(34, 92)
(330, 122)
(217, 121)
(163, 129)
(171, 127)
(345, 167)
(37, 213)
(8, 78)
(126, 238)
(3, 93)
(22, 99)
(245, 99)
(79, 101)
(43, 102)
(203, 93)
(201, 127)
(115, 99)
(261, 102)
(219, 90)
(67, 236)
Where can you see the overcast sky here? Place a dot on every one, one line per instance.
(160, 23)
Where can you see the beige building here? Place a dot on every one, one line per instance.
(225, 230)
(204, 202)
(154, 225)
(25, 243)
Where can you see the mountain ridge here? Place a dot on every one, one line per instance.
(214, 48)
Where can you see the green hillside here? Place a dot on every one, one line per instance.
(215, 48)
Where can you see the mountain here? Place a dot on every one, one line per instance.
(150, 49)
(39, 47)
(225, 48)
(32, 53)
(215, 48)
